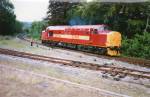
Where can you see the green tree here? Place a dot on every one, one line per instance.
(57, 12)
(8, 23)
(128, 19)
(139, 46)
(36, 29)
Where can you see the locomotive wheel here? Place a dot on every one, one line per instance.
(102, 51)
(43, 41)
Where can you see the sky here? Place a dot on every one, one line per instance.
(30, 10)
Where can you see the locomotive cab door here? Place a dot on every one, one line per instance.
(94, 36)
(98, 39)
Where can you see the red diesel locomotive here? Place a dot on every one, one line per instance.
(96, 36)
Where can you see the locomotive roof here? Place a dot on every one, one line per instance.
(76, 26)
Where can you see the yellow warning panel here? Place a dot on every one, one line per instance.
(113, 39)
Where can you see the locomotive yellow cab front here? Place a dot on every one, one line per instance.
(113, 43)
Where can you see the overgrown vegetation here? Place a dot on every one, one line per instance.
(138, 46)
(8, 23)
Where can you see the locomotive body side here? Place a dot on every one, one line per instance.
(109, 40)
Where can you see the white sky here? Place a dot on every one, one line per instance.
(30, 10)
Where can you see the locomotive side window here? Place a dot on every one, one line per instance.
(103, 28)
(50, 34)
(95, 31)
(106, 28)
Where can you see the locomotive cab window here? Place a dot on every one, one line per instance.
(95, 31)
(50, 34)
(106, 28)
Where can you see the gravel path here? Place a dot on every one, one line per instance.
(48, 82)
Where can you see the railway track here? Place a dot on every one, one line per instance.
(112, 70)
(131, 60)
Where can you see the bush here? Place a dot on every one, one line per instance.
(139, 46)
(36, 28)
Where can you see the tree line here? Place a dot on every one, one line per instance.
(8, 23)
